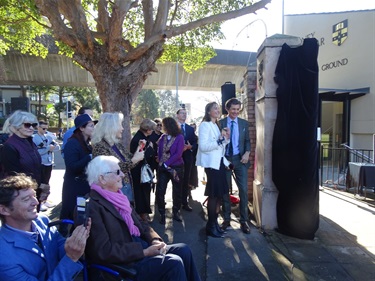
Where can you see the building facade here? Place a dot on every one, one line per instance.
(346, 73)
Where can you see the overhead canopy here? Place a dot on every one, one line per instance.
(327, 94)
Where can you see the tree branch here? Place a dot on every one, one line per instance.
(161, 16)
(62, 33)
(119, 10)
(176, 3)
(147, 7)
(174, 31)
(75, 14)
(103, 16)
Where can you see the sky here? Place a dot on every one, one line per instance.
(248, 32)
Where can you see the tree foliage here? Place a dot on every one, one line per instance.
(119, 41)
(84, 96)
(42, 93)
(169, 103)
(21, 27)
(145, 106)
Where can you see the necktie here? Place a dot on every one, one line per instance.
(183, 129)
(230, 146)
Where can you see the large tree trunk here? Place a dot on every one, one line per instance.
(118, 86)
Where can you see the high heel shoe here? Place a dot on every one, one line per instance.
(212, 231)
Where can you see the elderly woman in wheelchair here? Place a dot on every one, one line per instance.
(118, 236)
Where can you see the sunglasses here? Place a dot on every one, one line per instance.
(117, 172)
(159, 125)
(28, 125)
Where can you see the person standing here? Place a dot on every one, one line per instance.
(46, 147)
(142, 191)
(20, 154)
(69, 133)
(30, 250)
(78, 154)
(171, 167)
(190, 144)
(210, 155)
(155, 136)
(193, 181)
(237, 152)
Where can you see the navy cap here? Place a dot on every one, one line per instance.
(82, 120)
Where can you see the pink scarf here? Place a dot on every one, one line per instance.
(122, 205)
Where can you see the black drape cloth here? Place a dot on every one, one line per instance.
(295, 146)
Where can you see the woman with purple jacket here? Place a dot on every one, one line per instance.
(171, 167)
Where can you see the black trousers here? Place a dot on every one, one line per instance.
(46, 173)
(163, 178)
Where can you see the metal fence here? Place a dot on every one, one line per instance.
(334, 163)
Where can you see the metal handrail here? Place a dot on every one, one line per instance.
(357, 153)
(334, 162)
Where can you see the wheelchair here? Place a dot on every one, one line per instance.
(100, 272)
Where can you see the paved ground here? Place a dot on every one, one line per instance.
(344, 247)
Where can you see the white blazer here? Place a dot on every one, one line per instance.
(209, 151)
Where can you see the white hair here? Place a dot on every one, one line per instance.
(19, 117)
(108, 125)
(99, 166)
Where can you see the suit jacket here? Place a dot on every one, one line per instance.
(110, 240)
(191, 138)
(209, 151)
(244, 137)
(22, 259)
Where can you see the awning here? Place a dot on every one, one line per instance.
(327, 94)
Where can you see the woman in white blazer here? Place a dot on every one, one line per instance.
(211, 149)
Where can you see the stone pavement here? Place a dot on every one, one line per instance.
(344, 247)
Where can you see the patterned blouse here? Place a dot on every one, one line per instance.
(126, 164)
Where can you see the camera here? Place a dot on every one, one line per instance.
(41, 145)
(82, 208)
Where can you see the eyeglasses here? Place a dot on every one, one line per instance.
(28, 125)
(117, 172)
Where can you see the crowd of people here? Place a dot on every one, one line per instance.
(99, 167)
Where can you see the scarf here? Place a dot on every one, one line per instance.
(122, 205)
(166, 153)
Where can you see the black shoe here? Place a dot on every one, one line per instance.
(187, 208)
(245, 228)
(219, 229)
(212, 231)
(162, 219)
(225, 225)
(177, 217)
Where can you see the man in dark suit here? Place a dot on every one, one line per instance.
(190, 145)
(237, 152)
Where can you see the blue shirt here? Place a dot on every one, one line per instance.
(235, 135)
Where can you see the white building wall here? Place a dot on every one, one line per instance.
(357, 55)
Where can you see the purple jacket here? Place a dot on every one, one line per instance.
(176, 150)
(20, 155)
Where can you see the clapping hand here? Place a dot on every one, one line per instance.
(76, 243)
